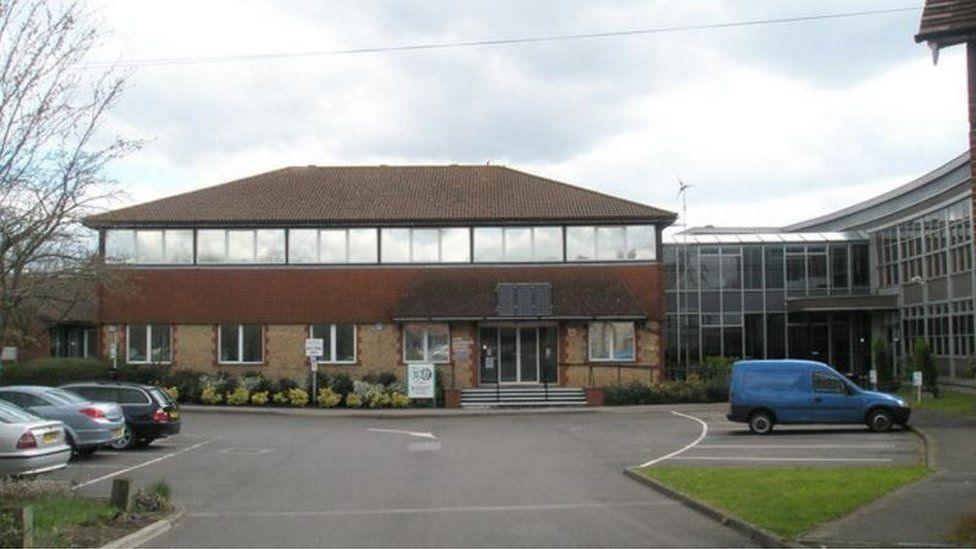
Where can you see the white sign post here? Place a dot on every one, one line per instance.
(420, 381)
(314, 348)
(917, 383)
(873, 377)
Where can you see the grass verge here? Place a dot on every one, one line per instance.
(785, 501)
(950, 402)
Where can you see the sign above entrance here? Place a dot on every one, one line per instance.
(420, 380)
(524, 299)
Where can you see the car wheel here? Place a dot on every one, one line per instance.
(880, 420)
(761, 422)
(126, 441)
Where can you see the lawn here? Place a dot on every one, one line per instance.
(56, 515)
(950, 402)
(787, 502)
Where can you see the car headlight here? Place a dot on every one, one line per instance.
(902, 403)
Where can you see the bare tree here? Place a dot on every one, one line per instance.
(52, 158)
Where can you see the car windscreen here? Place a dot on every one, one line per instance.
(64, 397)
(12, 414)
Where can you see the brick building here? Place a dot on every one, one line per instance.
(390, 265)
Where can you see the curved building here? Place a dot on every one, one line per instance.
(896, 268)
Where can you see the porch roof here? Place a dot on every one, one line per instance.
(472, 296)
(838, 303)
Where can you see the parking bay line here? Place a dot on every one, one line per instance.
(796, 446)
(811, 459)
(430, 510)
(143, 464)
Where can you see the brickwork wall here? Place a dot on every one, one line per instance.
(576, 370)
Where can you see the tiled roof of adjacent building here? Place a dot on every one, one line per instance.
(947, 22)
(385, 194)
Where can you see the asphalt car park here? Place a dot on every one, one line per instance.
(509, 480)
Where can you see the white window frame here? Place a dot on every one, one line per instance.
(254, 247)
(333, 329)
(346, 260)
(440, 246)
(240, 346)
(427, 358)
(148, 349)
(135, 258)
(609, 325)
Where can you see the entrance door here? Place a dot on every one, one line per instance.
(518, 354)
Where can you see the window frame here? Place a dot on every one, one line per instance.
(254, 235)
(333, 330)
(428, 359)
(240, 345)
(608, 325)
(148, 349)
(410, 231)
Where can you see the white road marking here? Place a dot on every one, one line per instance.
(417, 434)
(796, 446)
(429, 510)
(701, 437)
(747, 458)
(424, 446)
(143, 464)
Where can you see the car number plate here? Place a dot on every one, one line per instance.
(50, 437)
(117, 433)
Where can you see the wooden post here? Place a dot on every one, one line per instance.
(122, 494)
(23, 518)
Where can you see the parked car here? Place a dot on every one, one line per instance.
(766, 392)
(30, 445)
(88, 425)
(149, 411)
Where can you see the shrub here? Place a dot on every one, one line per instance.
(259, 398)
(153, 499)
(693, 389)
(379, 399)
(716, 367)
(882, 361)
(210, 395)
(399, 400)
(255, 382)
(386, 379)
(55, 371)
(921, 361)
(280, 397)
(297, 397)
(239, 396)
(342, 383)
(353, 400)
(327, 398)
(285, 384)
(188, 383)
(365, 390)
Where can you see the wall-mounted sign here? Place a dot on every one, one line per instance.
(420, 380)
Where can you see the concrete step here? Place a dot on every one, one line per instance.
(523, 395)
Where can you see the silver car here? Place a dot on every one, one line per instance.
(88, 425)
(30, 445)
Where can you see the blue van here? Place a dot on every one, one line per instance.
(766, 392)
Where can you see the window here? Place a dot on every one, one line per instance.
(515, 244)
(611, 243)
(445, 245)
(426, 343)
(241, 343)
(332, 245)
(338, 342)
(826, 383)
(241, 246)
(149, 246)
(612, 341)
(148, 343)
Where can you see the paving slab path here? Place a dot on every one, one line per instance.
(924, 513)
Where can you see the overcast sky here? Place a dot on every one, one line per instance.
(772, 124)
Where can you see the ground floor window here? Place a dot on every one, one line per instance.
(148, 343)
(73, 342)
(612, 341)
(338, 342)
(426, 343)
(241, 343)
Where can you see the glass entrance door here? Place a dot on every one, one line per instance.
(518, 354)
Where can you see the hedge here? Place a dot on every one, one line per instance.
(58, 371)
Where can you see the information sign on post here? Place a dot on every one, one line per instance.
(314, 347)
(420, 380)
(917, 383)
(873, 378)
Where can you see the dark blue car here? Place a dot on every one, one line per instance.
(766, 392)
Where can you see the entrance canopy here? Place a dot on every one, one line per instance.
(837, 303)
(478, 296)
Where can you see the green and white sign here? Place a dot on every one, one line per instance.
(420, 380)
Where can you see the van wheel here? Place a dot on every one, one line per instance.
(761, 422)
(880, 420)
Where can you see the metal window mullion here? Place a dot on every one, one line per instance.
(333, 335)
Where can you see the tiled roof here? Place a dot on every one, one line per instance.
(386, 194)
(947, 22)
